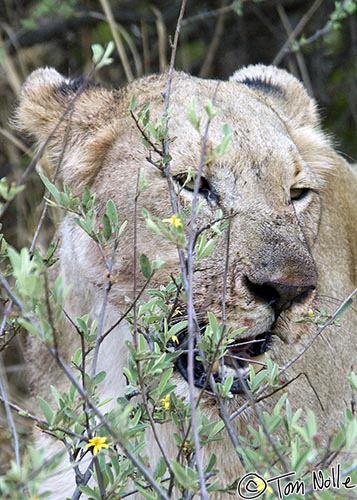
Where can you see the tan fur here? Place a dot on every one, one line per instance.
(277, 143)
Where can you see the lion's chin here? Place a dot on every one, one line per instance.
(238, 357)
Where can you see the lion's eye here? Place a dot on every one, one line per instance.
(205, 189)
(297, 194)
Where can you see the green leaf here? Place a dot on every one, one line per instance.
(213, 322)
(228, 384)
(145, 266)
(161, 468)
(122, 227)
(157, 263)
(77, 357)
(353, 380)
(46, 410)
(177, 328)
(343, 308)
(351, 433)
(111, 211)
(185, 476)
(56, 395)
(101, 56)
(211, 463)
(50, 187)
(28, 326)
(163, 382)
(192, 115)
(107, 228)
(210, 109)
(100, 377)
(132, 106)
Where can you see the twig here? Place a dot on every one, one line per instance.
(128, 311)
(99, 473)
(4, 319)
(162, 38)
(84, 478)
(296, 31)
(209, 14)
(119, 44)
(107, 287)
(53, 180)
(9, 68)
(15, 299)
(12, 138)
(214, 44)
(300, 60)
(11, 422)
(339, 9)
(43, 424)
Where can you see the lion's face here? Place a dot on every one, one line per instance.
(269, 185)
(262, 272)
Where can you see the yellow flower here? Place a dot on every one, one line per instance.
(175, 339)
(97, 443)
(174, 220)
(165, 402)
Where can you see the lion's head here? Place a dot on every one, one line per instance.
(287, 195)
(288, 200)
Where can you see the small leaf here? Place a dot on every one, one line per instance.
(28, 326)
(51, 188)
(185, 476)
(107, 228)
(145, 266)
(101, 56)
(111, 211)
(343, 308)
(177, 328)
(210, 110)
(132, 106)
(353, 380)
(157, 263)
(46, 410)
(164, 380)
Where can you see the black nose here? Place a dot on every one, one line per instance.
(278, 294)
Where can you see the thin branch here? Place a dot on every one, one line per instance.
(11, 422)
(299, 57)
(15, 299)
(162, 38)
(214, 44)
(296, 31)
(101, 320)
(53, 180)
(119, 44)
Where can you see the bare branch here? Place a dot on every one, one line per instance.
(11, 422)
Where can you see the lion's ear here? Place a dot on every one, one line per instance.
(282, 91)
(75, 117)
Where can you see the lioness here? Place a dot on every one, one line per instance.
(291, 204)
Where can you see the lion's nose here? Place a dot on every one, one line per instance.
(280, 294)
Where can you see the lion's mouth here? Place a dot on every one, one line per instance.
(238, 356)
